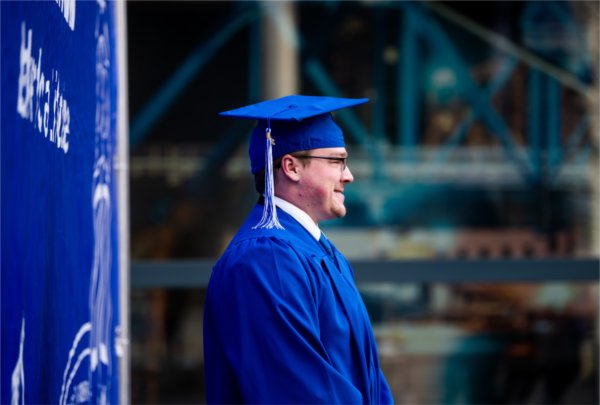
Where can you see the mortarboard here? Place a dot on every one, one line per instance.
(286, 125)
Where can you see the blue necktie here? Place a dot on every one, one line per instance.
(328, 248)
(325, 243)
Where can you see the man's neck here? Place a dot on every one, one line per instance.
(299, 215)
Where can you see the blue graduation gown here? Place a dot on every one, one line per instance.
(284, 323)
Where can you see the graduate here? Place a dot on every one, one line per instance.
(284, 322)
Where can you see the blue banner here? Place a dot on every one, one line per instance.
(59, 276)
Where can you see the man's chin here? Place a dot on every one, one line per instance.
(340, 213)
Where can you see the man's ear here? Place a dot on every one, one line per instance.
(290, 166)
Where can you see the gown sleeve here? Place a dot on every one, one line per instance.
(266, 316)
(384, 389)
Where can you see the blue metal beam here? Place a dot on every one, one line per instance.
(534, 115)
(254, 73)
(407, 90)
(218, 157)
(379, 82)
(553, 121)
(154, 110)
(480, 103)
(573, 142)
(508, 66)
(196, 273)
(509, 63)
(356, 130)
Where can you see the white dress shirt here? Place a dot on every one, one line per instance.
(300, 216)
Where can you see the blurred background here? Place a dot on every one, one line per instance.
(473, 220)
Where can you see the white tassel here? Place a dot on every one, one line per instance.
(269, 218)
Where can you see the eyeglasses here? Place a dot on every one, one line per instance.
(343, 161)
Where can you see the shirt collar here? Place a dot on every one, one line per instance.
(300, 216)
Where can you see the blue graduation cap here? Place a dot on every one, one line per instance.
(285, 125)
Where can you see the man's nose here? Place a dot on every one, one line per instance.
(347, 176)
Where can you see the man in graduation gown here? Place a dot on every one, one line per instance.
(284, 322)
